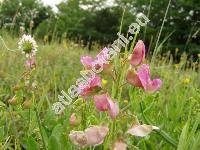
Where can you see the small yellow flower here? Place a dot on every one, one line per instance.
(64, 44)
(46, 39)
(176, 66)
(126, 101)
(199, 55)
(177, 50)
(104, 82)
(186, 81)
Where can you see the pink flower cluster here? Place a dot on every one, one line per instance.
(138, 76)
(102, 102)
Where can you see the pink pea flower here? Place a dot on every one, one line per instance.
(141, 130)
(87, 62)
(94, 84)
(72, 119)
(92, 136)
(138, 54)
(104, 103)
(101, 58)
(142, 79)
(103, 55)
(30, 63)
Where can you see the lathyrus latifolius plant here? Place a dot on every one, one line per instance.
(26, 85)
(128, 69)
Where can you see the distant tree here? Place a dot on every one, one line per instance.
(14, 14)
(183, 18)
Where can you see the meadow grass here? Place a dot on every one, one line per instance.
(175, 108)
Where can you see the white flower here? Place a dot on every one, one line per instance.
(181, 10)
(188, 18)
(28, 45)
(191, 13)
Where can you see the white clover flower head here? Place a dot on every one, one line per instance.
(27, 45)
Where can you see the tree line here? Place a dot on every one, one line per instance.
(98, 21)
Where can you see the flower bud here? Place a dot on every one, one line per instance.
(27, 104)
(72, 119)
(12, 101)
(21, 29)
(16, 87)
(31, 24)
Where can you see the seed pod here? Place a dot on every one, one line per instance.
(21, 29)
(16, 87)
(27, 104)
(31, 25)
(12, 101)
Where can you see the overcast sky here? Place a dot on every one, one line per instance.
(52, 3)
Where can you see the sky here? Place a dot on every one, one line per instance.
(52, 3)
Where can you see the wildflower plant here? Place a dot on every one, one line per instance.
(27, 84)
(128, 67)
(25, 90)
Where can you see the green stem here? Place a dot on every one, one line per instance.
(40, 128)
(29, 121)
(124, 70)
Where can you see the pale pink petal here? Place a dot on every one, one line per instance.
(78, 138)
(72, 119)
(154, 86)
(113, 108)
(101, 102)
(30, 63)
(90, 137)
(142, 130)
(96, 135)
(87, 61)
(138, 54)
(119, 145)
(133, 79)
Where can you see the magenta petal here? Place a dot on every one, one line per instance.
(87, 61)
(154, 86)
(133, 79)
(113, 109)
(138, 54)
(144, 75)
(103, 54)
(93, 84)
(101, 102)
(104, 103)
(142, 79)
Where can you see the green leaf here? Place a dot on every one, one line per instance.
(57, 139)
(183, 137)
(31, 144)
